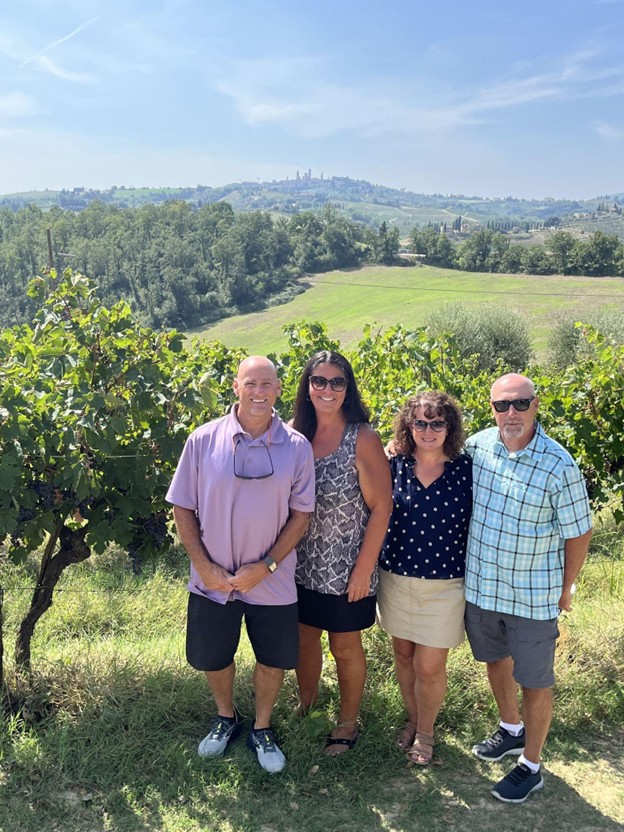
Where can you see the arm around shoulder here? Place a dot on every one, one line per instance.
(376, 487)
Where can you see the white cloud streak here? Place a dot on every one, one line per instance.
(58, 42)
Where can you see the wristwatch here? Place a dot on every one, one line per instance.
(269, 563)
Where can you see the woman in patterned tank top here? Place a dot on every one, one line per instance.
(337, 559)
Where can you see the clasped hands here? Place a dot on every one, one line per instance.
(244, 579)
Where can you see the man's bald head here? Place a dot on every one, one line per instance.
(513, 381)
(255, 364)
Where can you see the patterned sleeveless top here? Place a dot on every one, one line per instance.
(327, 553)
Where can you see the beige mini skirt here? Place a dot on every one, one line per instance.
(427, 612)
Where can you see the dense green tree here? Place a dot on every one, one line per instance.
(436, 247)
(475, 253)
(597, 257)
(537, 260)
(513, 258)
(560, 245)
(387, 244)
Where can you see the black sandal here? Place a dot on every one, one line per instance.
(347, 743)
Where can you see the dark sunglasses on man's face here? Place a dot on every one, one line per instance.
(503, 405)
(337, 384)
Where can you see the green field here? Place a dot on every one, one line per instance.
(108, 740)
(346, 300)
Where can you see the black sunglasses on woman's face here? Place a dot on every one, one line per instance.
(337, 384)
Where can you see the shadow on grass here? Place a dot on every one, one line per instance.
(127, 761)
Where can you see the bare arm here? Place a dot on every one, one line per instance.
(248, 576)
(376, 486)
(212, 575)
(576, 549)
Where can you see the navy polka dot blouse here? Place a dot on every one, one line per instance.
(428, 528)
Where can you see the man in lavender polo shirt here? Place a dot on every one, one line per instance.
(242, 494)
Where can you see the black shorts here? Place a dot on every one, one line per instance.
(213, 633)
(335, 613)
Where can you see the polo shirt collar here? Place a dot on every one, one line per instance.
(277, 426)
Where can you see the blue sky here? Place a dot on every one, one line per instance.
(523, 99)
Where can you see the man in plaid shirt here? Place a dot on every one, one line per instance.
(529, 536)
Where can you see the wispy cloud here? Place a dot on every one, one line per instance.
(50, 66)
(58, 42)
(295, 94)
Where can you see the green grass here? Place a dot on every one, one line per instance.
(347, 300)
(108, 738)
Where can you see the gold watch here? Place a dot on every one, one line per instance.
(269, 563)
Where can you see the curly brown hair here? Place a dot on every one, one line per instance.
(435, 404)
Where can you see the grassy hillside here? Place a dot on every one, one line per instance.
(108, 740)
(346, 300)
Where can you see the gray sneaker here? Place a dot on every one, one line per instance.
(499, 745)
(223, 730)
(263, 742)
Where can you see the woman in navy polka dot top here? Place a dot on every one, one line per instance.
(421, 589)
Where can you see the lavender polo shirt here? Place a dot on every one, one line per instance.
(240, 519)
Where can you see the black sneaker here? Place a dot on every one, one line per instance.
(518, 785)
(263, 742)
(223, 730)
(499, 745)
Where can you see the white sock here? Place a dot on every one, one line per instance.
(514, 730)
(535, 767)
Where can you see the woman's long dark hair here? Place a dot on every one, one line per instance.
(353, 408)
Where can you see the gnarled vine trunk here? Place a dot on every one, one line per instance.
(72, 549)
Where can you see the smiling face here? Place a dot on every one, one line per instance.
(257, 389)
(327, 401)
(428, 441)
(516, 427)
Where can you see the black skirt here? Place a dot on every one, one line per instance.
(335, 613)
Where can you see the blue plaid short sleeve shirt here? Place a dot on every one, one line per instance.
(526, 504)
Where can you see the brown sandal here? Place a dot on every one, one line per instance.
(406, 735)
(421, 751)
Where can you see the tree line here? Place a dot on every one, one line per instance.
(178, 266)
(488, 250)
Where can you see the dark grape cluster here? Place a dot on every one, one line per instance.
(25, 514)
(46, 493)
(152, 529)
(156, 528)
